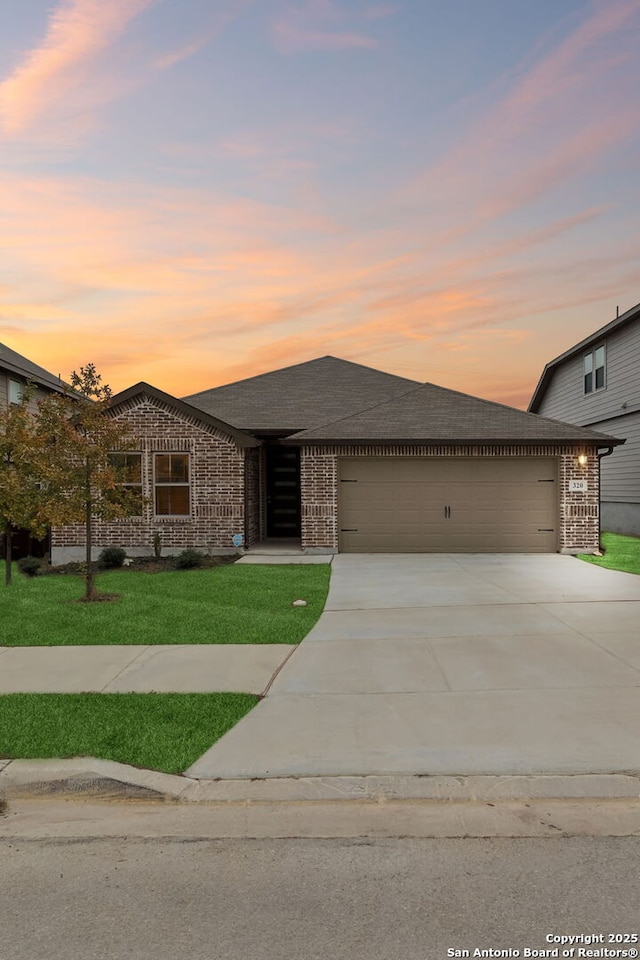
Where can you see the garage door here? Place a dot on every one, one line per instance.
(479, 505)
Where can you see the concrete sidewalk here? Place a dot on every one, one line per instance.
(453, 665)
(184, 668)
(181, 668)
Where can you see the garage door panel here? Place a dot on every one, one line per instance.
(448, 505)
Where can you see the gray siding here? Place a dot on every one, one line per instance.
(5, 376)
(614, 410)
(621, 471)
(565, 399)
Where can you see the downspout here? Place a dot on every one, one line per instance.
(607, 453)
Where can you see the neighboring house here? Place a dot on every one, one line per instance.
(596, 384)
(340, 457)
(15, 373)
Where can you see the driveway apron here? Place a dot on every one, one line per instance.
(453, 664)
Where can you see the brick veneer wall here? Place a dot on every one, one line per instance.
(252, 492)
(217, 475)
(579, 512)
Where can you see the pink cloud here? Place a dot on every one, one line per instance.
(318, 25)
(222, 19)
(292, 39)
(78, 31)
(380, 11)
(555, 123)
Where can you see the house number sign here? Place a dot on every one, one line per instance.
(578, 486)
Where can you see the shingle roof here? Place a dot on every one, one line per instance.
(142, 388)
(304, 395)
(429, 413)
(627, 317)
(16, 363)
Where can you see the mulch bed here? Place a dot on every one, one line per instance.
(144, 564)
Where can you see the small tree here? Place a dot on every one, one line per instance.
(23, 498)
(82, 437)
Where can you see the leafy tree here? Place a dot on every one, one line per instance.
(23, 500)
(82, 437)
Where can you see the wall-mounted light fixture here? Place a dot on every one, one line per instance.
(583, 459)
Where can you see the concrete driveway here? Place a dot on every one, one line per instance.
(453, 664)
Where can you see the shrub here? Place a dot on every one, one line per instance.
(112, 557)
(30, 566)
(189, 559)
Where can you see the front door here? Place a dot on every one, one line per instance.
(283, 491)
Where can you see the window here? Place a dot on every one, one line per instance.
(172, 484)
(129, 470)
(594, 364)
(15, 392)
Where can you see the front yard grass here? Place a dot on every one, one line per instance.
(621, 553)
(225, 604)
(159, 731)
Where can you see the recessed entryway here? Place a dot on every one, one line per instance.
(283, 491)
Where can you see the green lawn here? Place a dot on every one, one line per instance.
(225, 604)
(159, 731)
(621, 553)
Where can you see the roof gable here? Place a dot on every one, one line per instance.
(185, 409)
(300, 396)
(433, 414)
(630, 316)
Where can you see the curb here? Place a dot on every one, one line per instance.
(90, 778)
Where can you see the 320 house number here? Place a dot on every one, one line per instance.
(578, 486)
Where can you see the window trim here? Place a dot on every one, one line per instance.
(157, 484)
(20, 391)
(139, 485)
(591, 357)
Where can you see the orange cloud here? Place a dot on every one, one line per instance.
(78, 31)
(188, 289)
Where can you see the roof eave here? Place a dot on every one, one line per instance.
(591, 441)
(53, 384)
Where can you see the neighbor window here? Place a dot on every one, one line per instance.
(16, 390)
(172, 484)
(594, 364)
(129, 469)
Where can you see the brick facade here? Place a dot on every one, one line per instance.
(578, 511)
(217, 489)
(252, 496)
(227, 486)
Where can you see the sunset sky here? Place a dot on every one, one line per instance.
(196, 191)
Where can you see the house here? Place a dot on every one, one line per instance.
(15, 373)
(596, 384)
(336, 456)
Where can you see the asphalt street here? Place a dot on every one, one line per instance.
(158, 898)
